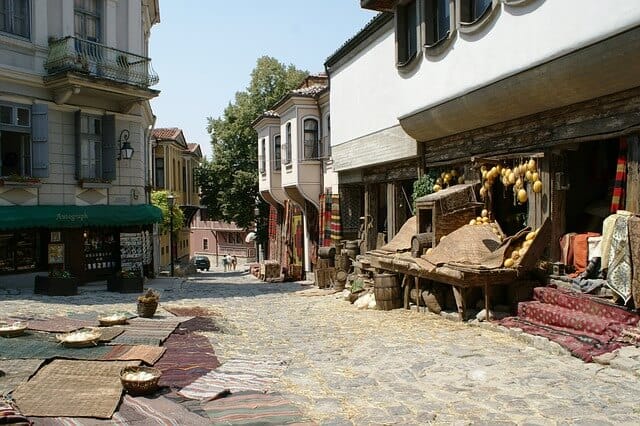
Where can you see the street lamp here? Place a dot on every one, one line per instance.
(171, 200)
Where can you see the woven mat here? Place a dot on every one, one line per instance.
(44, 345)
(148, 331)
(253, 408)
(16, 371)
(188, 357)
(197, 324)
(94, 315)
(213, 383)
(190, 311)
(135, 411)
(107, 334)
(60, 324)
(402, 240)
(145, 353)
(69, 388)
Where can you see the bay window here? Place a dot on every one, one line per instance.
(310, 139)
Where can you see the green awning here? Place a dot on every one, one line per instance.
(17, 217)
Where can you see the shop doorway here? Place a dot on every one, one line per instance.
(591, 168)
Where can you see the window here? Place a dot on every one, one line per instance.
(15, 140)
(407, 32)
(90, 147)
(310, 139)
(287, 146)
(205, 244)
(277, 154)
(14, 17)
(160, 172)
(184, 179)
(19, 252)
(262, 162)
(437, 21)
(325, 141)
(87, 19)
(472, 10)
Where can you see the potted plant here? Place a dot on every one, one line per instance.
(148, 303)
(126, 281)
(58, 282)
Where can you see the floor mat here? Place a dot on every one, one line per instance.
(70, 388)
(60, 324)
(188, 357)
(197, 324)
(145, 353)
(148, 331)
(16, 372)
(44, 345)
(214, 383)
(193, 311)
(252, 408)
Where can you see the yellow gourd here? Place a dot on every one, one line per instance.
(537, 187)
(508, 263)
(531, 165)
(436, 188)
(522, 196)
(530, 236)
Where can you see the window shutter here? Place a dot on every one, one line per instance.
(77, 124)
(109, 147)
(39, 137)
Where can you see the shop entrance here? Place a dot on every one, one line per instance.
(592, 170)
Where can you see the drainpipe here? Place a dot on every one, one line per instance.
(147, 156)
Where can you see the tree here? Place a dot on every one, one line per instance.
(159, 199)
(229, 181)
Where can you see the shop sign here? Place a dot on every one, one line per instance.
(72, 218)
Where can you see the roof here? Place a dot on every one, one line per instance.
(165, 133)
(271, 113)
(372, 26)
(312, 91)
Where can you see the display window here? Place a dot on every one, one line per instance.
(100, 250)
(18, 252)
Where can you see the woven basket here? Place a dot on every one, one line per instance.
(92, 340)
(12, 332)
(140, 387)
(108, 322)
(147, 309)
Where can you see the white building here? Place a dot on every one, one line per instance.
(432, 83)
(75, 85)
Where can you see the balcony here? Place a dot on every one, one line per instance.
(76, 65)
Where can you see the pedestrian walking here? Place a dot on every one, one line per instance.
(234, 262)
(226, 262)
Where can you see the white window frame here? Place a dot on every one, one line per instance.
(90, 147)
(287, 157)
(277, 152)
(14, 126)
(313, 144)
(407, 40)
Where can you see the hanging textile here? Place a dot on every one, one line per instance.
(336, 227)
(619, 272)
(634, 243)
(618, 199)
(325, 219)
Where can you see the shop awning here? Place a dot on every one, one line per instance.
(20, 217)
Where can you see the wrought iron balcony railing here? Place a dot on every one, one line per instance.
(98, 60)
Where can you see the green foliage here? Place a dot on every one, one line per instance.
(229, 181)
(423, 186)
(159, 199)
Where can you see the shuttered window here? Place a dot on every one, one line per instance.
(24, 150)
(15, 17)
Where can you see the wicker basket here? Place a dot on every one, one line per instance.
(108, 322)
(147, 309)
(140, 387)
(12, 331)
(91, 340)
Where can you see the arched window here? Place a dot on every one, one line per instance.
(437, 21)
(287, 148)
(262, 157)
(407, 32)
(277, 154)
(472, 10)
(310, 139)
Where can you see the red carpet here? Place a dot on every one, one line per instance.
(583, 324)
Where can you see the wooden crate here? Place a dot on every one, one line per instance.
(295, 272)
(325, 277)
(444, 211)
(269, 270)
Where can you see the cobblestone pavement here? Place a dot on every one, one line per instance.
(347, 366)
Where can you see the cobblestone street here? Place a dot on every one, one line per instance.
(347, 366)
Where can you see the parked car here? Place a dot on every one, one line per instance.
(201, 262)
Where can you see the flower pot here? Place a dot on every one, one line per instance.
(125, 285)
(55, 286)
(147, 309)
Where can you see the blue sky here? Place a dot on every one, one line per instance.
(204, 50)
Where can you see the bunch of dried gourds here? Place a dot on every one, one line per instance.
(518, 176)
(448, 179)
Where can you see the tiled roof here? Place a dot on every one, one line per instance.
(192, 146)
(314, 90)
(166, 133)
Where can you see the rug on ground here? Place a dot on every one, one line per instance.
(188, 357)
(584, 325)
(70, 388)
(16, 371)
(251, 408)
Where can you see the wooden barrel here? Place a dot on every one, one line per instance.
(341, 280)
(326, 252)
(352, 248)
(387, 291)
(420, 243)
